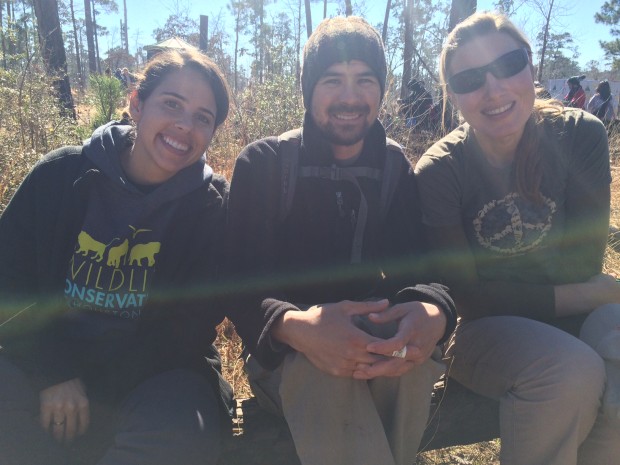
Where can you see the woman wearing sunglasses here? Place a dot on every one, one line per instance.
(516, 202)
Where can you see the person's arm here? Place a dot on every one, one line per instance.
(250, 248)
(404, 257)
(17, 247)
(587, 208)
(425, 313)
(326, 335)
(581, 99)
(420, 326)
(22, 310)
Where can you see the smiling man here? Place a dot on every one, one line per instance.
(325, 241)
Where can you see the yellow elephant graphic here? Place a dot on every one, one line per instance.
(117, 253)
(87, 244)
(140, 251)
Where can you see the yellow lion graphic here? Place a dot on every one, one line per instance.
(87, 244)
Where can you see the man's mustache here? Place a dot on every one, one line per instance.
(344, 108)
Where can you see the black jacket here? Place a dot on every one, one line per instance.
(38, 232)
(304, 259)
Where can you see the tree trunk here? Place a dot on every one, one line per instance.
(388, 8)
(460, 10)
(90, 38)
(10, 26)
(26, 48)
(98, 59)
(3, 41)
(308, 18)
(298, 45)
(125, 31)
(78, 61)
(236, 59)
(348, 8)
(204, 34)
(53, 50)
(408, 46)
(261, 42)
(543, 49)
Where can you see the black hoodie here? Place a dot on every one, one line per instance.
(119, 284)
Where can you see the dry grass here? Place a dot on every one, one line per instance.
(483, 453)
(230, 347)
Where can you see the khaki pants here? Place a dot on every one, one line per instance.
(549, 384)
(343, 421)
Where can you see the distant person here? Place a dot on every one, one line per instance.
(416, 107)
(576, 97)
(118, 74)
(129, 79)
(516, 202)
(601, 104)
(541, 91)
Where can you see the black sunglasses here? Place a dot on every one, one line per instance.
(503, 67)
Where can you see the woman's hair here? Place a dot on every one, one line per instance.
(528, 166)
(169, 61)
(604, 89)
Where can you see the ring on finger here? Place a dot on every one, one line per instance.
(402, 353)
(58, 423)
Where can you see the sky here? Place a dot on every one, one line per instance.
(146, 15)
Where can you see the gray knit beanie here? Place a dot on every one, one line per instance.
(341, 39)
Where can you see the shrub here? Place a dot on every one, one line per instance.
(268, 109)
(31, 125)
(106, 95)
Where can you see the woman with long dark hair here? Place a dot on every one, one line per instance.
(601, 104)
(109, 276)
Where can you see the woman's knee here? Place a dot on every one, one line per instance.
(180, 411)
(497, 355)
(16, 391)
(576, 372)
(601, 330)
(176, 397)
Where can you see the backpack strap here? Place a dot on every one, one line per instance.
(389, 176)
(289, 163)
(350, 174)
(395, 162)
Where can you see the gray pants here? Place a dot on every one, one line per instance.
(343, 421)
(549, 384)
(172, 417)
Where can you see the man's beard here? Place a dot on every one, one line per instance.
(343, 134)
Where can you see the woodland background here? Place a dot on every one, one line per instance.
(66, 38)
